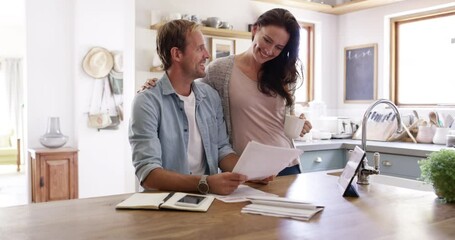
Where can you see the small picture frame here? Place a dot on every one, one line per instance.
(222, 48)
(360, 73)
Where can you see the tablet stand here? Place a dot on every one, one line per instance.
(351, 191)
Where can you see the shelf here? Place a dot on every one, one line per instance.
(355, 5)
(217, 32)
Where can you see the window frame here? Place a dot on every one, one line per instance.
(394, 47)
(309, 82)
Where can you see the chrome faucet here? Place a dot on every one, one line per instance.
(365, 170)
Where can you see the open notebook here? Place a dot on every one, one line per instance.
(173, 200)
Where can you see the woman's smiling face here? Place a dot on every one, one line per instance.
(268, 42)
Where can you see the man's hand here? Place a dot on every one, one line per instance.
(148, 84)
(225, 183)
(306, 127)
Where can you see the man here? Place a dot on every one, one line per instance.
(177, 130)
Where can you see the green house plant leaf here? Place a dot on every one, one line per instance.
(439, 169)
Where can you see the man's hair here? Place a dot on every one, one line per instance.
(173, 34)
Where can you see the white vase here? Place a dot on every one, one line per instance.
(53, 138)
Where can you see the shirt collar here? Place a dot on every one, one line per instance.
(168, 89)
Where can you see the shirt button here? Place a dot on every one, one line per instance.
(181, 109)
(185, 130)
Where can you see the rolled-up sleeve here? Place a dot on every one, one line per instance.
(224, 147)
(143, 135)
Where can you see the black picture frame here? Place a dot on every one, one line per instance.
(360, 73)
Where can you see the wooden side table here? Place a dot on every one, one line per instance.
(54, 174)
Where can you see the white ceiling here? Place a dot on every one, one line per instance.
(12, 12)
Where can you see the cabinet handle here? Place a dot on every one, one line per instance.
(318, 160)
(41, 182)
(386, 163)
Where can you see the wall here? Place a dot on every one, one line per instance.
(104, 155)
(59, 33)
(237, 12)
(372, 26)
(240, 13)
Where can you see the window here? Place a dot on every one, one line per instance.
(305, 92)
(423, 58)
(4, 107)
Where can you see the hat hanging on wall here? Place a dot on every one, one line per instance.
(98, 62)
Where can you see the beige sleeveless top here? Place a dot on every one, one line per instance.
(254, 115)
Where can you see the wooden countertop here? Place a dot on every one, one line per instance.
(381, 211)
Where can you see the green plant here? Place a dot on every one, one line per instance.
(439, 169)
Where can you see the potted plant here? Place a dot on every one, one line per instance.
(439, 170)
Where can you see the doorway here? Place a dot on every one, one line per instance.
(13, 176)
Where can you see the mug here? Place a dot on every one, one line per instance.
(225, 25)
(451, 139)
(213, 22)
(172, 16)
(440, 136)
(293, 126)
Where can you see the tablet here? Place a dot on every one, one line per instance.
(349, 173)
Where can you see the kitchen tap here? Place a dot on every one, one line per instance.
(365, 170)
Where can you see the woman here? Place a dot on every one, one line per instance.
(256, 86)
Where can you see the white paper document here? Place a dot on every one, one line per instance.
(259, 161)
(241, 194)
(281, 207)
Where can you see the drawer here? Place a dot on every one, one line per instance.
(322, 160)
(397, 165)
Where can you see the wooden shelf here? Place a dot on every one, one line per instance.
(355, 5)
(216, 32)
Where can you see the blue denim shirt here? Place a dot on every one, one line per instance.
(158, 131)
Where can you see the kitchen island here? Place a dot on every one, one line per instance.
(381, 212)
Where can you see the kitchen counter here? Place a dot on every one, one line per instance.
(399, 148)
(381, 212)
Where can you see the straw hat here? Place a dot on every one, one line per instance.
(98, 62)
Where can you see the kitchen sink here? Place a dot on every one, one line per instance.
(394, 181)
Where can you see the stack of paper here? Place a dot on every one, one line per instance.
(281, 207)
(259, 161)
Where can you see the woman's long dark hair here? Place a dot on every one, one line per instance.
(279, 75)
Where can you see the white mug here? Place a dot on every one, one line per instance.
(440, 136)
(293, 126)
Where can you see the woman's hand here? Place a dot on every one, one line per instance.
(148, 84)
(264, 181)
(306, 127)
